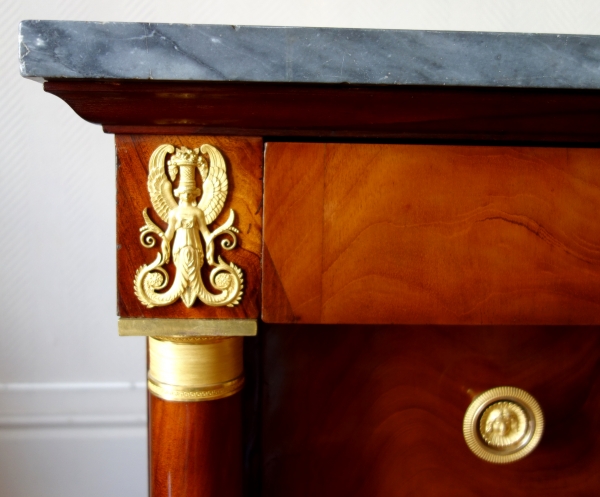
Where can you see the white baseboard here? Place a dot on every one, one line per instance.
(73, 439)
(72, 404)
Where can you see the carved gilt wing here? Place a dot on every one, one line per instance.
(159, 186)
(214, 188)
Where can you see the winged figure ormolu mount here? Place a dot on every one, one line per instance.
(186, 221)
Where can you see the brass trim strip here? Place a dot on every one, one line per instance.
(187, 394)
(195, 368)
(187, 327)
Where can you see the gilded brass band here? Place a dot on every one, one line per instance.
(195, 368)
(503, 425)
(186, 327)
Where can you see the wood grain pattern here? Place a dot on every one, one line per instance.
(379, 112)
(244, 169)
(300, 215)
(195, 448)
(431, 234)
(377, 411)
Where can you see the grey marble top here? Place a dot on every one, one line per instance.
(182, 52)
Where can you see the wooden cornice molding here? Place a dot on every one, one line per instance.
(335, 112)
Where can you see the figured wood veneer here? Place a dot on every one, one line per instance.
(244, 157)
(377, 411)
(366, 233)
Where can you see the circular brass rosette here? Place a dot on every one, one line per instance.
(503, 425)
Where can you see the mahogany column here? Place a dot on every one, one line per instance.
(195, 447)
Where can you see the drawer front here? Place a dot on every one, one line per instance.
(377, 411)
(420, 234)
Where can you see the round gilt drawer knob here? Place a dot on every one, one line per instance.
(503, 424)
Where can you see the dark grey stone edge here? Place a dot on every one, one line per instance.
(181, 52)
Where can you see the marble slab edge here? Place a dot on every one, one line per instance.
(182, 52)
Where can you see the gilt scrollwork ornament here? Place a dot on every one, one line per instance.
(187, 239)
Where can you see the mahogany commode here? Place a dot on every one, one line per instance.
(404, 219)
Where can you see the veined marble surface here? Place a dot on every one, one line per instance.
(66, 49)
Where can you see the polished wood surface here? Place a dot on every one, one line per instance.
(244, 157)
(195, 448)
(377, 411)
(336, 111)
(413, 234)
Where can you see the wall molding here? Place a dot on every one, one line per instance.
(72, 404)
(106, 385)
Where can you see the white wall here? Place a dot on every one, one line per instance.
(72, 408)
